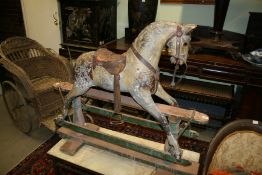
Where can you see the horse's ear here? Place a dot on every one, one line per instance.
(189, 27)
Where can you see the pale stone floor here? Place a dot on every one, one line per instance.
(15, 145)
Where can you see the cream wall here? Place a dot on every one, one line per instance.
(39, 22)
(38, 15)
(236, 19)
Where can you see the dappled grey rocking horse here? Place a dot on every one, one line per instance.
(135, 71)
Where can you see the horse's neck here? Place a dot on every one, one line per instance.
(151, 51)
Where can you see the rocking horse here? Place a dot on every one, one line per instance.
(135, 71)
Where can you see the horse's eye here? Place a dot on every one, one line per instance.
(185, 44)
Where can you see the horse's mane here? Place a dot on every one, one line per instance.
(153, 30)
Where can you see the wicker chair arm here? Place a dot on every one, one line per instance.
(20, 74)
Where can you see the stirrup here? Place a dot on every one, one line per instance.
(117, 122)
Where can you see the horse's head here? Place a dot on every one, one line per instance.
(179, 42)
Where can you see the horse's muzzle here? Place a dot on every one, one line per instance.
(176, 60)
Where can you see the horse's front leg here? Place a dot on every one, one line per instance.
(143, 97)
(161, 93)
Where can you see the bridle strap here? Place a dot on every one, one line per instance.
(145, 62)
(178, 34)
(149, 66)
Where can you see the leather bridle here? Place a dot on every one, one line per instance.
(178, 35)
(176, 58)
(149, 66)
(155, 72)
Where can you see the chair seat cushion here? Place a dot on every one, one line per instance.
(234, 170)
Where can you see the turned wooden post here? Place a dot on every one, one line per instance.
(117, 94)
(221, 7)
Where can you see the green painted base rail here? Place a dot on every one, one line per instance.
(122, 142)
(135, 120)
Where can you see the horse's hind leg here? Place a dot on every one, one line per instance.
(161, 93)
(143, 97)
(73, 95)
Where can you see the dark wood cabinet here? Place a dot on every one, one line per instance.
(88, 23)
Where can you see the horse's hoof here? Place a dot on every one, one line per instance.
(177, 153)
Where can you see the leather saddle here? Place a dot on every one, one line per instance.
(114, 64)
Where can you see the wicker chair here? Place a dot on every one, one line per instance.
(28, 89)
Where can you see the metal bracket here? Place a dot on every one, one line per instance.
(178, 131)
